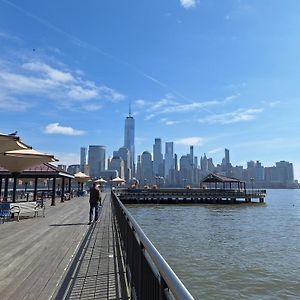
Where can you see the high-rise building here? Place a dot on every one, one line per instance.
(96, 160)
(227, 158)
(192, 155)
(129, 139)
(117, 163)
(82, 158)
(123, 152)
(146, 168)
(169, 161)
(285, 171)
(157, 158)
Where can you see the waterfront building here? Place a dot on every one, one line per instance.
(73, 169)
(185, 170)
(123, 152)
(169, 162)
(146, 168)
(285, 172)
(83, 154)
(96, 159)
(129, 140)
(157, 158)
(138, 168)
(108, 175)
(117, 163)
(204, 163)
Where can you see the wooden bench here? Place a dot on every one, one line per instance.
(27, 208)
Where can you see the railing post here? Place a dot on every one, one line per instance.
(163, 287)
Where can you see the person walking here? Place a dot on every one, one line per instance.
(95, 201)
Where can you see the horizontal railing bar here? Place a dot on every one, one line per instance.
(177, 288)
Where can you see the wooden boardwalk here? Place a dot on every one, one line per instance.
(60, 256)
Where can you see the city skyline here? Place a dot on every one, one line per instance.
(203, 73)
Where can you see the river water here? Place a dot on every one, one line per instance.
(230, 251)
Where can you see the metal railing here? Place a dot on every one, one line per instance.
(149, 275)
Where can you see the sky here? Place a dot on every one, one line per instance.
(209, 73)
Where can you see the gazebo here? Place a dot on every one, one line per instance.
(222, 182)
(41, 171)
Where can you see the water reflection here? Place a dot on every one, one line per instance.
(228, 252)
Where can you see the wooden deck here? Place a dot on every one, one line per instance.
(60, 256)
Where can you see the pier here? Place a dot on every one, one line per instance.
(190, 196)
(60, 257)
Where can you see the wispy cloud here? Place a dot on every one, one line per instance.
(274, 103)
(7, 36)
(189, 3)
(37, 78)
(169, 105)
(216, 150)
(169, 122)
(239, 115)
(195, 140)
(55, 128)
(9, 103)
(140, 103)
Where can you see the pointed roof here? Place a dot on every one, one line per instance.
(212, 177)
(40, 170)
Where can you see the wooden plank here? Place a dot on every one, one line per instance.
(35, 252)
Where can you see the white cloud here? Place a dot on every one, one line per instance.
(168, 105)
(55, 128)
(217, 150)
(80, 93)
(168, 122)
(188, 3)
(92, 107)
(9, 103)
(49, 72)
(240, 115)
(4, 35)
(196, 140)
(37, 79)
(274, 103)
(140, 103)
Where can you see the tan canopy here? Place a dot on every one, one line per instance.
(81, 177)
(18, 160)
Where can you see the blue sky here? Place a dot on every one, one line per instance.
(210, 73)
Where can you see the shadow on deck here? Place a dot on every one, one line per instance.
(97, 270)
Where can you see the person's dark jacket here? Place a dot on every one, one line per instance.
(95, 196)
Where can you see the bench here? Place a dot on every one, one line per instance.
(6, 209)
(25, 208)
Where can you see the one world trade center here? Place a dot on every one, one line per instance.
(129, 140)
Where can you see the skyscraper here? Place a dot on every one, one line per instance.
(96, 160)
(82, 158)
(146, 168)
(169, 161)
(227, 158)
(129, 139)
(157, 158)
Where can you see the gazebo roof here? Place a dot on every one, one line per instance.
(219, 178)
(42, 170)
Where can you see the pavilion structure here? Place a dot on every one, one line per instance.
(216, 181)
(58, 178)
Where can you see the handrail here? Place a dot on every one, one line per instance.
(179, 291)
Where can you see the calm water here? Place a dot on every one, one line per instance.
(230, 252)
